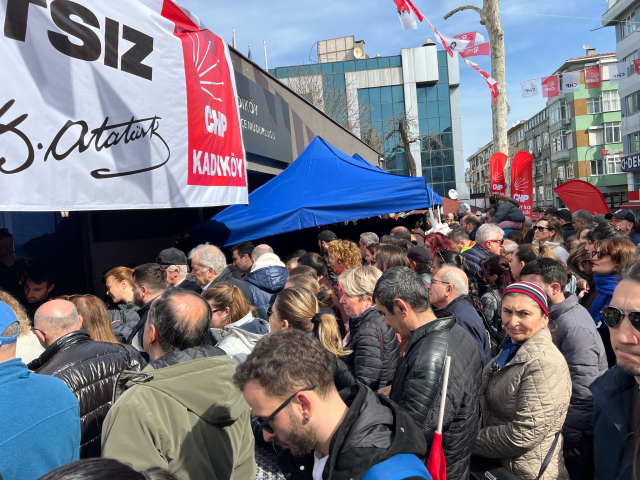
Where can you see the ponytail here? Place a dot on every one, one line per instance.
(329, 335)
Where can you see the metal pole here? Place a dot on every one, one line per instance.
(233, 37)
(266, 65)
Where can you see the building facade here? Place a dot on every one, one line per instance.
(478, 175)
(421, 84)
(624, 16)
(584, 131)
(536, 142)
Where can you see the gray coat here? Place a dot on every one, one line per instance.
(578, 340)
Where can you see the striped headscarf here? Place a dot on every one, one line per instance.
(532, 291)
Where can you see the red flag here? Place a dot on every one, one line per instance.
(481, 49)
(593, 77)
(550, 86)
(408, 6)
(496, 163)
(636, 63)
(574, 192)
(491, 82)
(437, 464)
(521, 181)
(473, 37)
(442, 41)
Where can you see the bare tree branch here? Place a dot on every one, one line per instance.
(464, 7)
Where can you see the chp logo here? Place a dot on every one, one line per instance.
(592, 75)
(498, 181)
(216, 156)
(520, 185)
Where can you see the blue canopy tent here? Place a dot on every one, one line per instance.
(322, 186)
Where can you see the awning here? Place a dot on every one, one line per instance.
(631, 205)
(322, 186)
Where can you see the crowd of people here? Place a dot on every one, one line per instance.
(331, 364)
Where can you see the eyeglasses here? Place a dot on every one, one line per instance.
(598, 255)
(433, 280)
(501, 242)
(264, 424)
(269, 311)
(613, 316)
(541, 229)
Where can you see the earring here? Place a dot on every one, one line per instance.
(307, 418)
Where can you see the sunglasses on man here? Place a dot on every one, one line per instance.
(613, 316)
(264, 423)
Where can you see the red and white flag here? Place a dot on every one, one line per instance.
(593, 77)
(473, 37)
(550, 86)
(450, 44)
(491, 82)
(636, 63)
(409, 14)
(481, 49)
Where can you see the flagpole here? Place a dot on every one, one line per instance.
(266, 65)
(233, 37)
(443, 397)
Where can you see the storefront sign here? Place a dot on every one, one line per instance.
(266, 127)
(631, 162)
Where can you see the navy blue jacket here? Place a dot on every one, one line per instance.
(508, 211)
(474, 256)
(468, 318)
(633, 236)
(264, 284)
(613, 395)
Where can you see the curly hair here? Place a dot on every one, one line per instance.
(436, 242)
(18, 309)
(346, 253)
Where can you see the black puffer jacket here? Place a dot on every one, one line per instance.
(123, 318)
(508, 211)
(375, 352)
(474, 256)
(90, 370)
(373, 430)
(417, 387)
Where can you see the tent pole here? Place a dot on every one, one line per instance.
(433, 221)
(439, 216)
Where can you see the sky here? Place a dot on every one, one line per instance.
(539, 36)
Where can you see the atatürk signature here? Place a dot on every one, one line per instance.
(103, 137)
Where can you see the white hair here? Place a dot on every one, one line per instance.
(182, 269)
(369, 237)
(488, 231)
(583, 215)
(261, 250)
(457, 279)
(509, 246)
(210, 256)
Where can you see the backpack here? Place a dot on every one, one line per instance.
(399, 467)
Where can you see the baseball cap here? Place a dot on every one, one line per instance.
(419, 255)
(171, 256)
(327, 236)
(7, 317)
(625, 215)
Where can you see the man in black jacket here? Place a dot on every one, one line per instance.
(488, 242)
(325, 434)
(88, 368)
(149, 281)
(402, 297)
(175, 263)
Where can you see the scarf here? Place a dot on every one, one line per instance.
(507, 353)
(605, 284)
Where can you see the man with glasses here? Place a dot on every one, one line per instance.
(288, 382)
(488, 242)
(182, 412)
(87, 367)
(616, 392)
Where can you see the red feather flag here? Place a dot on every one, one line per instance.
(437, 464)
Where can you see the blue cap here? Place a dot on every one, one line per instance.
(7, 317)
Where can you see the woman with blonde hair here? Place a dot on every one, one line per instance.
(234, 327)
(28, 346)
(548, 232)
(299, 309)
(373, 344)
(95, 320)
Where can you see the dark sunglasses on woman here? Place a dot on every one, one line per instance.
(541, 229)
(613, 316)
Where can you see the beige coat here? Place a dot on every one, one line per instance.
(523, 406)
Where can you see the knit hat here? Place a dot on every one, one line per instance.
(532, 291)
(7, 317)
(327, 236)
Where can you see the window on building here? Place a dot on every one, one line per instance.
(545, 139)
(612, 132)
(560, 173)
(538, 168)
(631, 68)
(633, 103)
(570, 173)
(613, 164)
(596, 136)
(540, 192)
(597, 168)
(634, 142)
(520, 135)
(549, 193)
(594, 106)
(547, 165)
(537, 141)
(628, 25)
(610, 100)
(535, 194)
(558, 112)
(530, 145)
(559, 141)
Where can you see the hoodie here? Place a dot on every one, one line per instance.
(266, 279)
(508, 211)
(238, 339)
(182, 413)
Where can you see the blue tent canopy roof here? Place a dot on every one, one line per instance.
(322, 186)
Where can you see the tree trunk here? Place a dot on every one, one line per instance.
(411, 163)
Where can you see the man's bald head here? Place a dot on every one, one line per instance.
(457, 279)
(260, 250)
(55, 319)
(179, 319)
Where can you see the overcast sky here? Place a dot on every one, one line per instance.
(538, 39)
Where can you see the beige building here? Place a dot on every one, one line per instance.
(478, 176)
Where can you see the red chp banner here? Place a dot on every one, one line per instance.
(521, 181)
(593, 77)
(481, 49)
(496, 164)
(550, 86)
